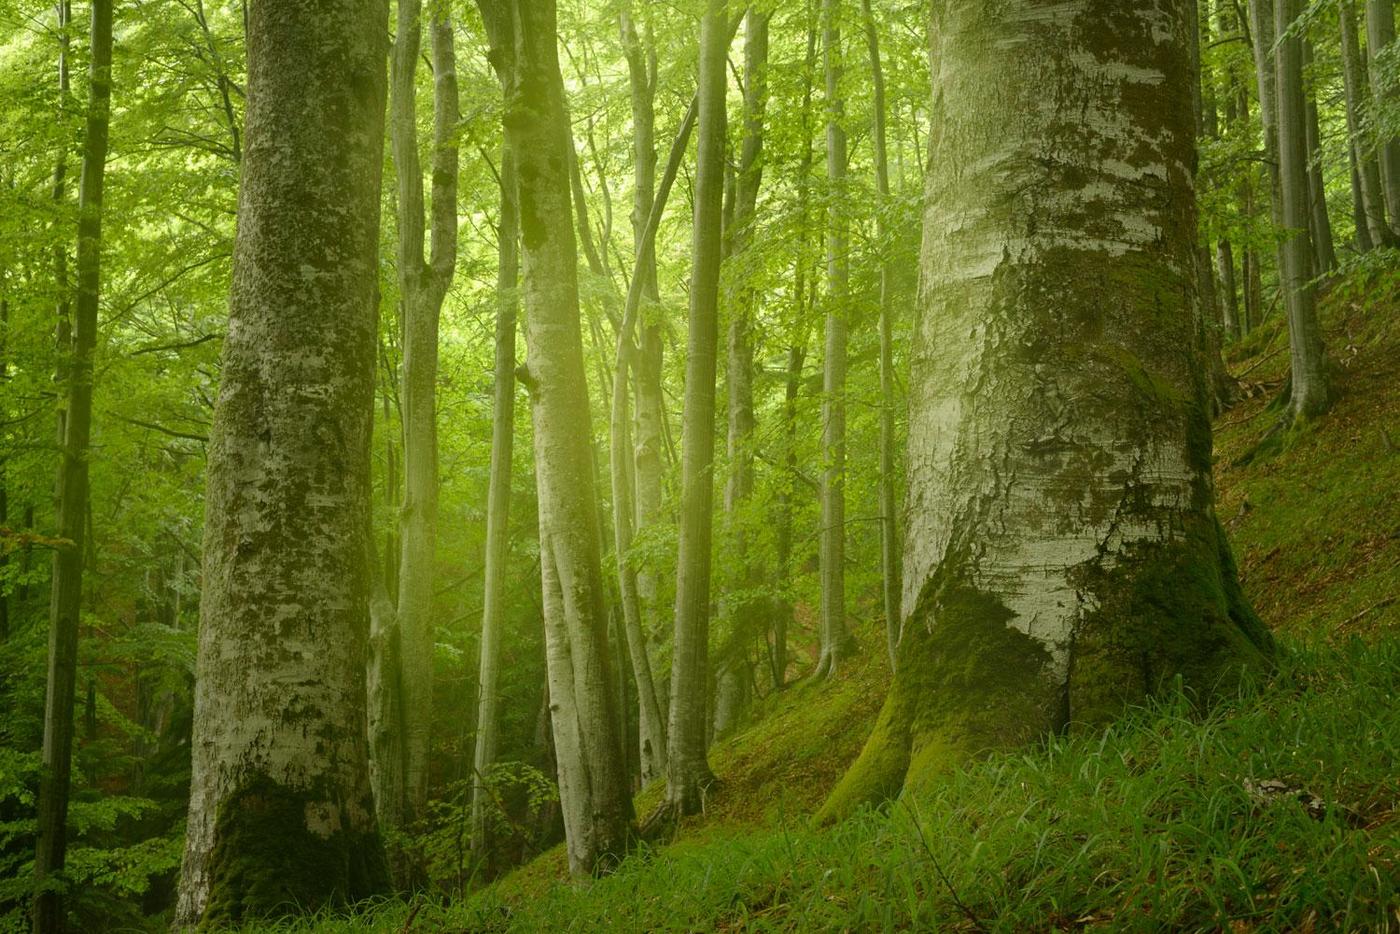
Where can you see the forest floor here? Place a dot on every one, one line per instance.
(1280, 810)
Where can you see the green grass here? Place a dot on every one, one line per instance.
(1149, 825)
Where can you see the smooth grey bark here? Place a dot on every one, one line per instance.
(65, 601)
(651, 732)
(889, 526)
(1320, 226)
(1380, 32)
(835, 640)
(1210, 331)
(1370, 194)
(423, 284)
(1261, 15)
(745, 611)
(1310, 393)
(502, 450)
(282, 814)
(688, 772)
(593, 786)
(1063, 557)
(1230, 307)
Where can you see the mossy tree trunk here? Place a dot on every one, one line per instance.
(593, 787)
(687, 768)
(281, 815)
(74, 510)
(1380, 33)
(1062, 557)
(1370, 196)
(1320, 227)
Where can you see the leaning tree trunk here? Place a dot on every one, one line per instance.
(281, 812)
(1380, 33)
(423, 286)
(835, 641)
(593, 787)
(73, 510)
(687, 769)
(1310, 394)
(889, 530)
(1063, 557)
(1368, 171)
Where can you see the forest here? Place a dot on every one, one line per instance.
(641, 465)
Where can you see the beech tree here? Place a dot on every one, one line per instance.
(1055, 331)
(281, 813)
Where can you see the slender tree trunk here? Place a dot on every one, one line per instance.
(889, 527)
(498, 492)
(1043, 346)
(651, 723)
(4, 484)
(835, 641)
(744, 611)
(1368, 172)
(1211, 320)
(281, 812)
(423, 285)
(688, 770)
(593, 787)
(1261, 13)
(67, 586)
(1225, 260)
(1310, 391)
(649, 427)
(1320, 228)
(1380, 33)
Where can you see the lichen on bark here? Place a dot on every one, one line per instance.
(1062, 554)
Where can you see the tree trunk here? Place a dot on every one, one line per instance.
(4, 485)
(889, 530)
(1368, 172)
(688, 770)
(498, 490)
(1225, 260)
(1211, 320)
(281, 812)
(67, 586)
(1310, 390)
(651, 724)
(1380, 32)
(423, 286)
(1320, 228)
(744, 610)
(648, 428)
(835, 641)
(593, 789)
(1063, 558)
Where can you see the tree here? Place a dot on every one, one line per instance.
(593, 790)
(1320, 225)
(423, 286)
(1062, 556)
(1380, 33)
(281, 812)
(65, 602)
(889, 541)
(835, 641)
(1310, 393)
(1371, 197)
(688, 771)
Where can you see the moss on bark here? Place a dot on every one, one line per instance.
(280, 851)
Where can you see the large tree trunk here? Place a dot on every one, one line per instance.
(73, 526)
(688, 771)
(1320, 225)
(1062, 558)
(281, 812)
(1380, 32)
(423, 286)
(502, 449)
(1368, 172)
(889, 527)
(593, 788)
(1310, 391)
(835, 640)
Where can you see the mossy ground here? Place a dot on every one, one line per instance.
(1157, 822)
